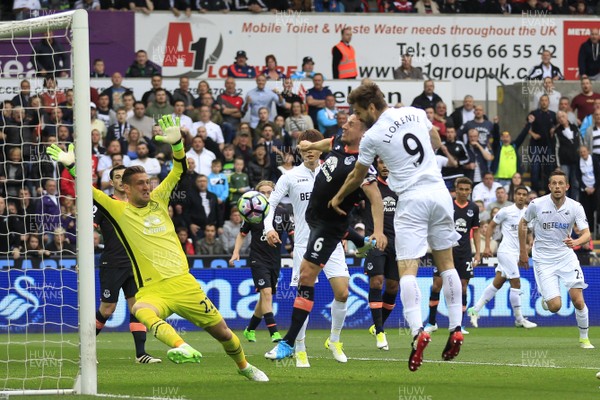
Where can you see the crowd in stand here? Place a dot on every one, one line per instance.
(232, 143)
(23, 9)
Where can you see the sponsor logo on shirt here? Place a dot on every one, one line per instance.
(152, 225)
(554, 225)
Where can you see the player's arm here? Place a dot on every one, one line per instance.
(584, 230)
(281, 189)
(477, 240)
(324, 146)
(374, 195)
(353, 182)
(239, 241)
(434, 137)
(523, 255)
(171, 133)
(487, 251)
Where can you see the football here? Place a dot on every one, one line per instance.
(253, 207)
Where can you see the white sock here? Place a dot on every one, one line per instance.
(300, 343)
(452, 288)
(515, 302)
(410, 295)
(487, 295)
(582, 322)
(338, 315)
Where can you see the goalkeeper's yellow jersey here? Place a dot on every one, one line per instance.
(147, 233)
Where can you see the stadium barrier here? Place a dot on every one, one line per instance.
(44, 300)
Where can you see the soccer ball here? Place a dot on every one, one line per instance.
(253, 207)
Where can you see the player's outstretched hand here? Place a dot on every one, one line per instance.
(234, 257)
(335, 204)
(171, 130)
(65, 158)
(273, 238)
(380, 240)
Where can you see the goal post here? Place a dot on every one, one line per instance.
(75, 26)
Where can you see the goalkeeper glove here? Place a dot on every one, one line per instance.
(65, 158)
(171, 132)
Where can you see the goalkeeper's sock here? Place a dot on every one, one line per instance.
(100, 321)
(234, 349)
(161, 329)
(271, 324)
(303, 304)
(138, 330)
(254, 322)
(389, 302)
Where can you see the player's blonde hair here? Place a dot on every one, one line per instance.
(265, 183)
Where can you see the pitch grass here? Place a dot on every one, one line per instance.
(495, 363)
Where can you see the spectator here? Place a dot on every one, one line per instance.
(150, 164)
(581, 8)
(541, 145)
(272, 146)
(204, 6)
(240, 69)
(68, 218)
(202, 157)
(400, 6)
(486, 190)
(142, 67)
(51, 121)
(106, 162)
(186, 243)
(545, 69)
(259, 168)
(561, 7)
(213, 130)
(206, 99)
(458, 151)
(428, 98)
(25, 9)
(119, 131)
(104, 112)
(263, 120)
(506, 155)
(464, 113)
(568, 140)
(148, 97)
(228, 159)
(67, 107)
(482, 125)
(297, 122)
(186, 124)
(231, 228)
(116, 160)
(22, 99)
(259, 97)
(406, 70)
(183, 93)
(239, 183)
(97, 124)
(186, 184)
(48, 211)
(60, 246)
(218, 184)
(427, 7)
(210, 245)
(201, 208)
(20, 134)
(344, 57)
(479, 158)
(98, 69)
(243, 146)
(141, 121)
(589, 119)
(307, 70)
(160, 106)
(583, 103)
(27, 208)
(553, 95)
(50, 58)
(440, 119)
(13, 173)
(231, 109)
(51, 96)
(501, 200)
(515, 182)
(456, 7)
(289, 96)
(89, 5)
(116, 91)
(588, 174)
(128, 103)
(327, 117)
(588, 60)
(177, 7)
(97, 148)
(271, 70)
(315, 97)
(33, 248)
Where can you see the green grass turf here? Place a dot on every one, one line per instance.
(495, 363)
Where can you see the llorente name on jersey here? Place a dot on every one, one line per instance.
(403, 120)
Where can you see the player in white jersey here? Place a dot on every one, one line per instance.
(508, 256)
(404, 139)
(552, 217)
(298, 185)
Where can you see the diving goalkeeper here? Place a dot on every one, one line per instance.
(159, 264)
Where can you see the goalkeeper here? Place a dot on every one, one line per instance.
(160, 267)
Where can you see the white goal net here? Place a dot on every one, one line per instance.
(47, 326)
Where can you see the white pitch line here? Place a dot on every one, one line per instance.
(125, 396)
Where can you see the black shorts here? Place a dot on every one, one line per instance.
(464, 267)
(265, 276)
(382, 263)
(114, 279)
(322, 241)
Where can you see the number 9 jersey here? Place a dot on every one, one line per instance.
(401, 139)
